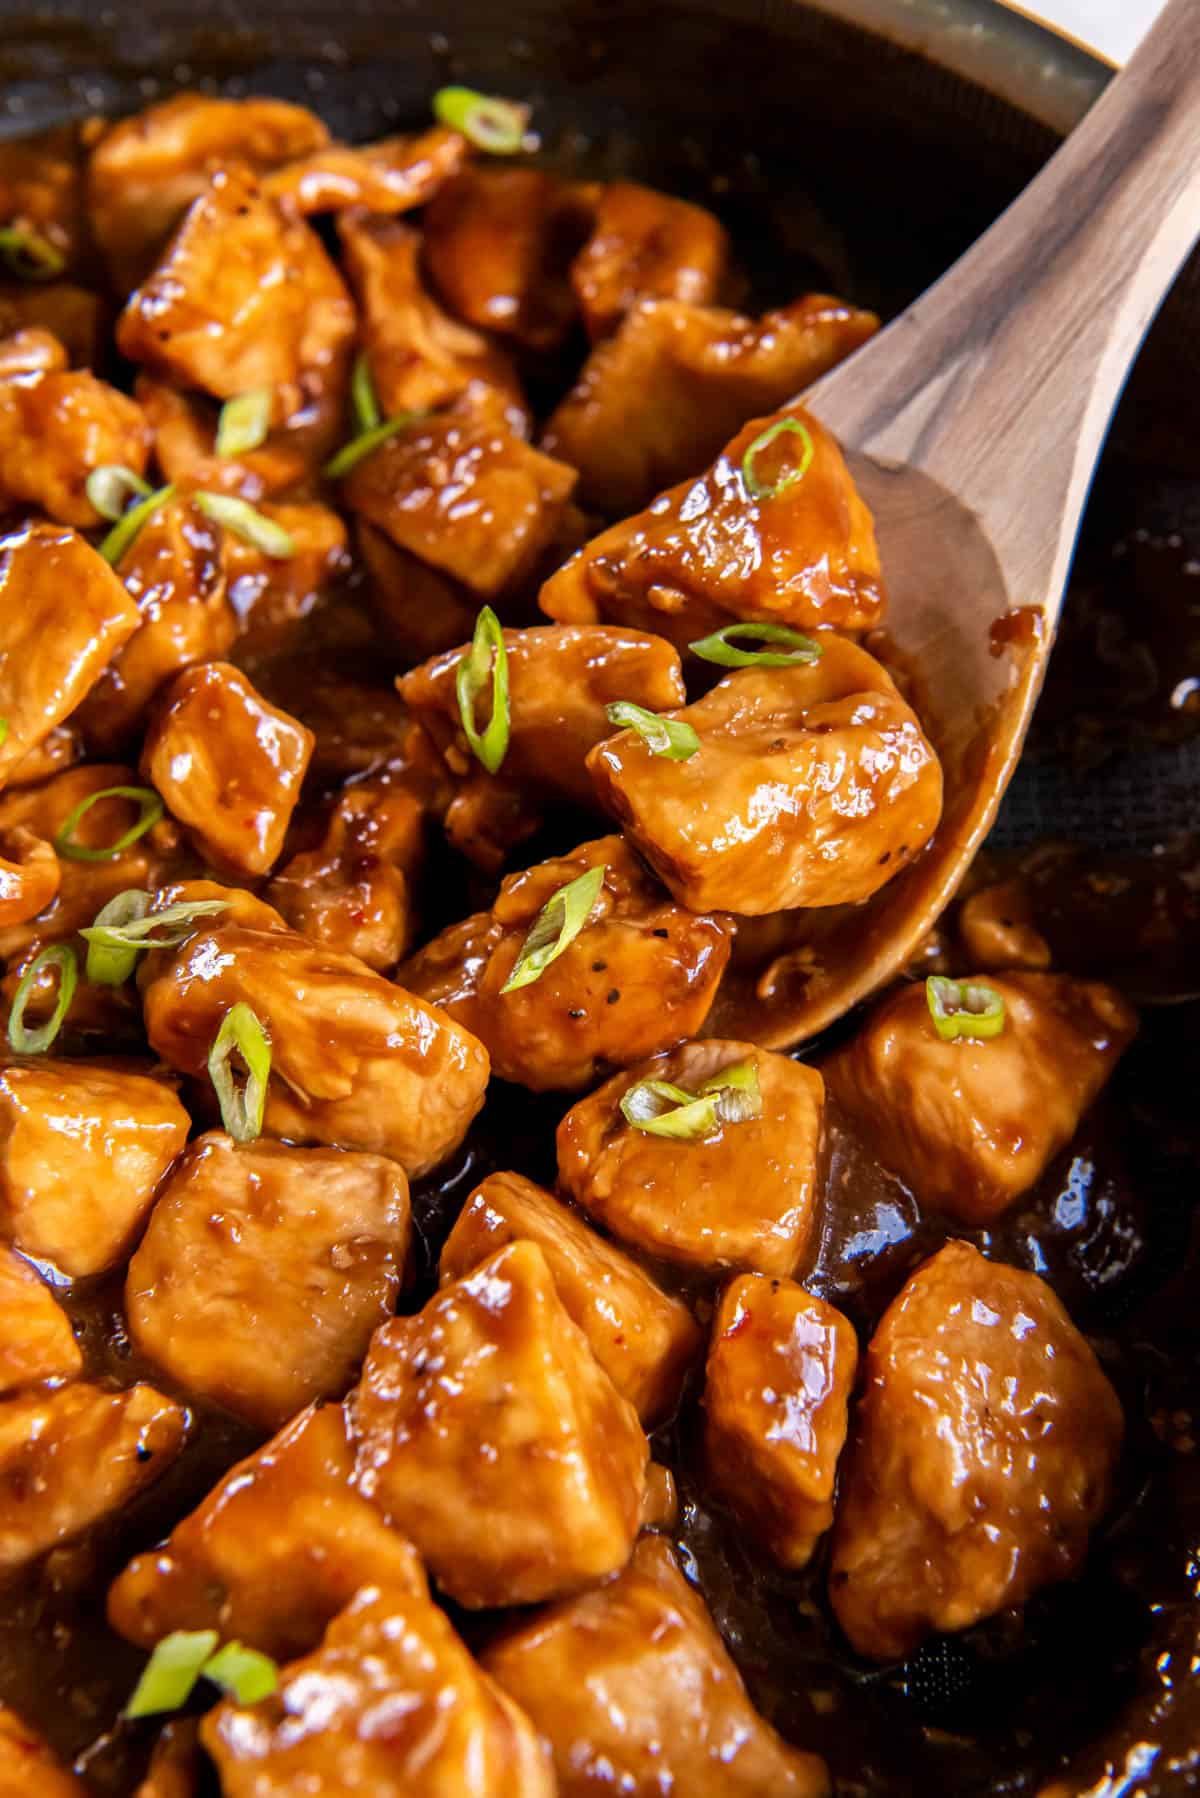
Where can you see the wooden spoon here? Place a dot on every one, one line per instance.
(973, 424)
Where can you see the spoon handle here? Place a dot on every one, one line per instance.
(1000, 380)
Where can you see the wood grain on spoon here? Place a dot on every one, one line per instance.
(973, 424)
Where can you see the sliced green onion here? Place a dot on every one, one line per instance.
(721, 648)
(555, 928)
(358, 448)
(244, 422)
(964, 1008)
(772, 489)
(152, 809)
(243, 1672)
(487, 659)
(255, 528)
(659, 1109)
(669, 737)
(36, 1042)
(122, 931)
(171, 1672)
(3, 732)
(241, 1111)
(498, 126)
(363, 397)
(29, 254)
(111, 487)
(130, 523)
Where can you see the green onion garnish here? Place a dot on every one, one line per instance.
(171, 1672)
(111, 487)
(125, 928)
(241, 1111)
(363, 398)
(358, 448)
(772, 489)
(721, 648)
(36, 1042)
(131, 522)
(243, 1672)
(244, 422)
(3, 732)
(255, 528)
(964, 1008)
(29, 254)
(486, 659)
(668, 737)
(555, 928)
(151, 811)
(659, 1109)
(489, 123)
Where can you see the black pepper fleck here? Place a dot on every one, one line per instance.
(614, 995)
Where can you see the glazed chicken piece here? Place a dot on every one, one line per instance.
(971, 1124)
(146, 170)
(984, 1452)
(56, 425)
(185, 430)
(780, 1371)
(82, 1148)
(560, 680)
(175, 572)
(632, 1687)
(63, 616)
(391, 1704)
(253, 1243)
(272, 594)
(359, 725)
(75, 316)
(71, 1456)
(741, 1195)
(41, 188)
(643, 1339)
(489, 1433)
(421, 611)
(461, 492)
(646, 245)
(245, 297)
(999, 931)
(30, 875)
(393, 175)
(419, 357)
(708, 552)
(273, 1552)
(27, 1765)
(812, 785)
(36, 1340)
(57, 751)
(656, 402)
(499, 244)
(228, 764)
(357, 1063)
(354, 892)
(641, 974)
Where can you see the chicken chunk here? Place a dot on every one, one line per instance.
(228, 764)
(41, 188)
(82, 1147)
(490, 1434)
(36, 1340)
(27, 1765)
(245, 297)
(31, 351)
(56, 425)
(640, 975)
(646, 245)
(560, 680)
(71, 1456)
(743, 1195)
(272, 594)
(971, 1124)
(632, 1687)
(63, 616)
(998, 929)
(30, 875)
(813, 785)
(984, 1452)
(499, 244)
(185, 430)
(391, 1704)
(357, 1063)
(358, 723)
(393, 175)
(656, 402)
(707, 552)
(146, 170)
(643, 1339)
(421, 611)
(465, 495)
(780, 1370)
(174, 571)
(273, 1552)
(259, 1242)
